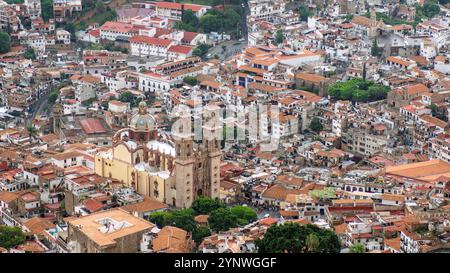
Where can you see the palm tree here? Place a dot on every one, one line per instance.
(357, 248)
(312, 243)
(32, 131)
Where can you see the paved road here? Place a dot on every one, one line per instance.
(232, 48)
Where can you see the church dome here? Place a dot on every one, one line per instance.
(143, 121)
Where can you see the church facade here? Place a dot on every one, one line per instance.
(170, 168)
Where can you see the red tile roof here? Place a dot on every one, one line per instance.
(189, 36)
(92, 126)
(116, 27)
(178, 6)
(151, 41)
(181, 49)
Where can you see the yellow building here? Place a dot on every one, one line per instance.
(147, 161)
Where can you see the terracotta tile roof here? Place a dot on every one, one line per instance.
(92, 126)
(361, 20)
(92, 205)
(417, 88)
(179, 6)
(189, 36)
(420, 170)
(181, 49)
(310, 77)
(171, 239)
(149, 204)
(151, 41)
(90, 226)
(7, 196)
(116, 27)
(278, 192)
(393, 243)
(37, 225)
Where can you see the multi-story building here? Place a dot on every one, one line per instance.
(9, 20)
(363, 142)
(33, 8)
(65, 9)
(266, 9)
(111, 231)
(173, 11)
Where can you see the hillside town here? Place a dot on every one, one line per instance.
(210, 126)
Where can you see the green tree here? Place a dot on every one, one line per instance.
(201, 50)
(199, 233)
(209, 23)
(375, 50)
(30, 54)
(431, 8)
(244, 215)
(293, 238)
(5, 43)
(100, 6)
(46, 9)
(160, 218)
(279, 37)
(70, 27)
(358, 89)
(183, 219)
(304, 13)
(52, 97)
(205, 205)
(231, 21)
(357, 248)
(192, 81)
(130, 98)
(32, 131)
(222, 219)
(11, 237)
(316, 126)
(188, 17)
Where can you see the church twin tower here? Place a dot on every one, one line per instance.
(197, 172)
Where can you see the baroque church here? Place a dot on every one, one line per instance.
(171, 168)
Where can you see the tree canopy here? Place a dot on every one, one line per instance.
(192, 81)
(11, 237)
(315, 125)
(304, 13)
(130, 98)
(183, 219)
(5, 43)
(222, 219)
(201, 50)
(359, 90)
(244, 215)
(205, 205)
(30, 54)
(227, 21)
(431, 8)
(46, 9)
(199, 233)
(357, 248)
(375, 50)
(279, 36)
(293, 238)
